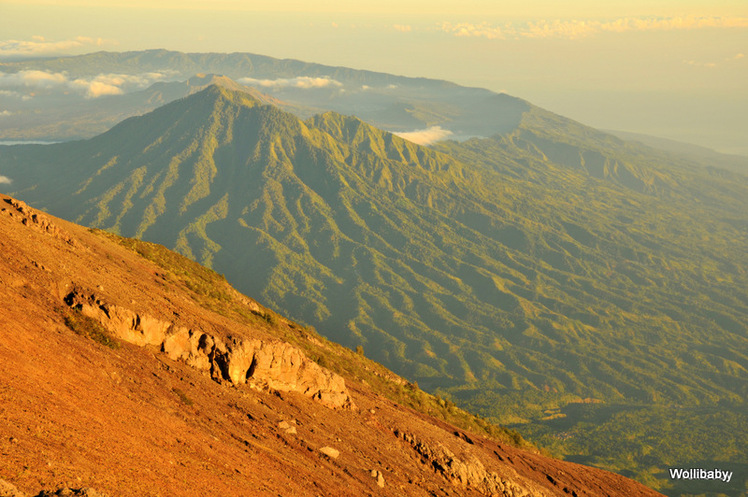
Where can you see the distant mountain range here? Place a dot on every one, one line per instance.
(551, 276)
(78, 97)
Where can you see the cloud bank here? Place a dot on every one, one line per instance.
(426, 136)
(90, 87)
(304, 82)
(39, 46)
(572, 29)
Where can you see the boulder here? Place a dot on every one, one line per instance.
(330, 452)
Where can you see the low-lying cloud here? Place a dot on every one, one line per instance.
(728, 60)
(4, 180)
(40, 46)
(426, 136)
(572, 29)
(90, 87)
(304, 82)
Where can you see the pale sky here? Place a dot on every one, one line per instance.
(671, 68)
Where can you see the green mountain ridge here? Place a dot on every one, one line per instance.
(518, 275)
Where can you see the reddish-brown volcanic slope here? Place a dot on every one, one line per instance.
(132, 422)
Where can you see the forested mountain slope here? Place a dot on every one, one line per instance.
(518, 274)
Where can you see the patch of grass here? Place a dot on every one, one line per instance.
(199, 279)
(182, 396)
(89, 328)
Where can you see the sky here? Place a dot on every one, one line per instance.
(671, 68)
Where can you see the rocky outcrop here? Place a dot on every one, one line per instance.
(9, 490)
(34, 219)
(466, 473)
(263, 364)
(69, 492)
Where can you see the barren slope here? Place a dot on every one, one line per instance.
(128, 420)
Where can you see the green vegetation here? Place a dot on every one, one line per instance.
(195, 277)
(89, 328)
(515, 276)
(182, 397)
(215, 294)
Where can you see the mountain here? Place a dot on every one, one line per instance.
(60, 116)
(737, 163)
(94, 91)
(581, 288)
(126, 369)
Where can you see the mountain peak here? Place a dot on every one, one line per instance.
(229, 88)
(204, 80)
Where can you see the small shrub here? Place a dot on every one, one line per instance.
(182, 396)
(89, 328)
(321, 361)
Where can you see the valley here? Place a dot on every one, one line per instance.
(587, 291)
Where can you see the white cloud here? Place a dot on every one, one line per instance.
(573, 29)
(403, 28)
(426, 136)
(91, 87)
(483, 30)
(700, 64)
(33, 79)
(4, 180)
(727, 60)
(95, 89)
(116, 84)
(304, 82)
(40, 46)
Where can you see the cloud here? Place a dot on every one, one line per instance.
(4, 180)
(727, 60)
(426, 136)
(403, 28)
(39, 46)
(90, 87)
(482, 30)
(4, 113)
(304, 82)
(116, 84)
(33, 79)
(573, 29)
